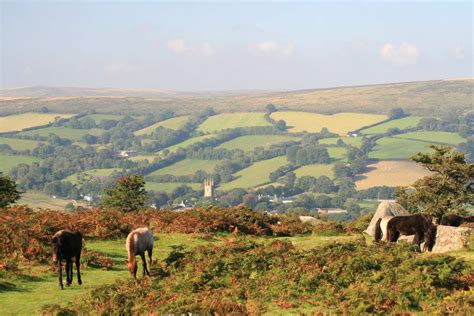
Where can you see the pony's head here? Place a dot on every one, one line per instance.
(132, 267)
(430, 237)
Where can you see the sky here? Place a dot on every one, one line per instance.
(198, 46)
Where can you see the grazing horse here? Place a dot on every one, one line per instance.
(139, 241)
(67, 245)
(456, 220)
(420, 225)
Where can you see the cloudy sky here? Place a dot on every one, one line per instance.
(232, 45)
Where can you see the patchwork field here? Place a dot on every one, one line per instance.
(64, 132)
(19, 144)
(316, 170)
(36, 199)
(188, 142)
(233, 120)
(150, 158)
(402, 123)
(353, 141)
(339, 123)
(187, 167)
(101, 117)
(389, 148)
(250, 142)
(434, 137)
(8, 162)
(255, 175)
(392, 174)
(337, 153)
(13, 123)
(170, 186)
(88, 175)
(172, 123)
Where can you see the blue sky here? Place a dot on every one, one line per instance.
(232, 45)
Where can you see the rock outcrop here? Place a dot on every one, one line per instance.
(385, 209)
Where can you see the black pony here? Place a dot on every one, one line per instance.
(420, 225)
(456, 220)
(67, 245)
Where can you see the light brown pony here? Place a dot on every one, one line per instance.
(139, 241)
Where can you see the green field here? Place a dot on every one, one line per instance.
(169, 186)
(233, 120)
(19, 122)
(337, 153)
(37, 199)
(402, 123)
(101, 117)
(353, 141)
(19, 144)
(187, 167)
(88, 175)
(434, 137)
(188, 142)
(388, 148)
(150, 158)
(8, 162)
(339, 123)
(250, 142)
(64, 132)
(173, 123)
(316, 170)
(255, 175)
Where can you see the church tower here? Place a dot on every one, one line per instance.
(208, 190)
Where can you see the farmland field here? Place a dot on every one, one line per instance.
(389, 148)
(19, 122)
(172, 123)
(64, 132)
(188, 142)
(434, 137)
(402, 123)
(315, 170)
(170, 186)
(233, 120)
(248, 143)
(37, 199)
(337, 153)
(87, 175)
(339, 123)
(353, 141)
(19, 144)
(187, 167)
(391, 173)
(150, 158)
(255, 175)
(101, 117)
(8, 162)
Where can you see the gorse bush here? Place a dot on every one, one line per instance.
(245, 277)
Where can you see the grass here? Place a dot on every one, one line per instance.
(19, 122)
(64, 132)
(392, 174)
(250, 142)
(19, 144)
(389, 148)
(316, 170)
(37, 199)
(187, 167)
(173, 123)
(402, 123)
(233, 120)
(337, 153)
(353, 141)
(150, 158)
(102, 117)
(255, 175)
(339, 123)
(188, 142)
(434, 137)
(169, 186)
(8, 162)
(88, 175)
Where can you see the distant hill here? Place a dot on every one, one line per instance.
(424, 97)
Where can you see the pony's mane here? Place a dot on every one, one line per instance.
(131, 246)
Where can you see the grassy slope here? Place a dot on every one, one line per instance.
(339, 123)
(19, 144)
(233, 120)
(406, 122)
(256, 174)
(37, 199)
(353, 141)
(388, 148)
(172, 123)
(169, 186)
(91, 173)
(337, 153)
(248, 143)
(64, 132)
(391, 173)
(187, 167)
(434, 137)
(21, 121)
(101, 117)
(188, 142)
(8, 162)
(315, 170)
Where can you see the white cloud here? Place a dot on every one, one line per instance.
(403, 54)
(457, 53)
(177, 46)
(272, 47)
(115, 68)
(207, 49)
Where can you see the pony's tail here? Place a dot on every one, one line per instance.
(378, 230)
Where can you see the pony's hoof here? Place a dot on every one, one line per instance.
(61, 287)
(80, 282)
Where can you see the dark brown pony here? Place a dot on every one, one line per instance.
(67, 245)
(456, 220)
(420, 225)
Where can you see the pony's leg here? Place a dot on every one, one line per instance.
(68, 272)
(78, 267)
(145, 270)
(60, 273)
(71, 267)
(150, 251)
(392, 235)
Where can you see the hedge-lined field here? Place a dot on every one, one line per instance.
(434, 137)
(8, 162)
(353, 141)
(316, 170)
(19, 122)
(402, 123)
(233, 120)
(188, 142)
(169, 186)
(173, 123)
(250, 142)
(389, 148)
(19, 144)
(64, 132)
(187, 167)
